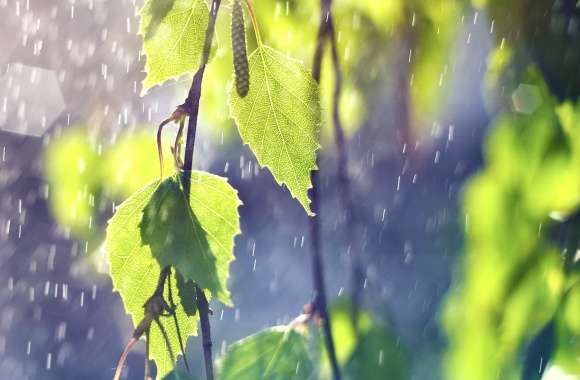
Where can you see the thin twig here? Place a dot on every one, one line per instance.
(147, 344)
(166, 338)
(174, 314)
(159, 145)
(319, 302)
(123, 358)
(204, 313)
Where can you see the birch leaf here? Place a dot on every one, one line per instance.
(279, 119)
(173, 37)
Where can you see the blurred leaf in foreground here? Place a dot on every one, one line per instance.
(512, 277)
(277, 353)
(74, 179)
(368, 350)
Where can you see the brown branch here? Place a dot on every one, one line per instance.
(357, 275)
(320, 303)
(191, 104)
(191, 108)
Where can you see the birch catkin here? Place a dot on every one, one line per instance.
(241, 70)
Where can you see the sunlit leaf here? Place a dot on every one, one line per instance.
(280, 118)
(134, 272)
(173, 37)
(156, 227)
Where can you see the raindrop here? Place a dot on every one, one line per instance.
(48, 361)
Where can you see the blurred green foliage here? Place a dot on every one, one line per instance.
(512, 278)
(84, 177)
(277, 353)
(515, 277)
(365, 349)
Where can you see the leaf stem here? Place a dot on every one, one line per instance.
(147, 367)
(177, 329)
(204, 312)
(123, 358)
(159, 145)
(255, 25)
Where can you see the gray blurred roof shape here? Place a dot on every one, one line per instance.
(30, 99)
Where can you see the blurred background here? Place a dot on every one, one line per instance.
(462, 127)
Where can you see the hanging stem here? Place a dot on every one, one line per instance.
(166, 338)
(147, 344)
(250, 5)
(319, 302)
(174, 314)
(123, 358)
(159, 145)
(204, 313)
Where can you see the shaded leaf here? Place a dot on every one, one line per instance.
(377, 356)
(179, 375)
(280, 119)
(197, 237)
(370, 351)
(277, 353)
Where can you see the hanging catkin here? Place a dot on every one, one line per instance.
(242, 73)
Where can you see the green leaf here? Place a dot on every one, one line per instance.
(369, 351)
(173, 38)
(197, 237)
(377, 356)
(277, 353)
(156, 227)
(179, 375)
(132, 162)
(73, 175)
(134, 273)
(511, 279)
(280, 119)
(567, 350)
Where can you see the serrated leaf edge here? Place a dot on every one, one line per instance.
(317, 129)
(145, 89)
